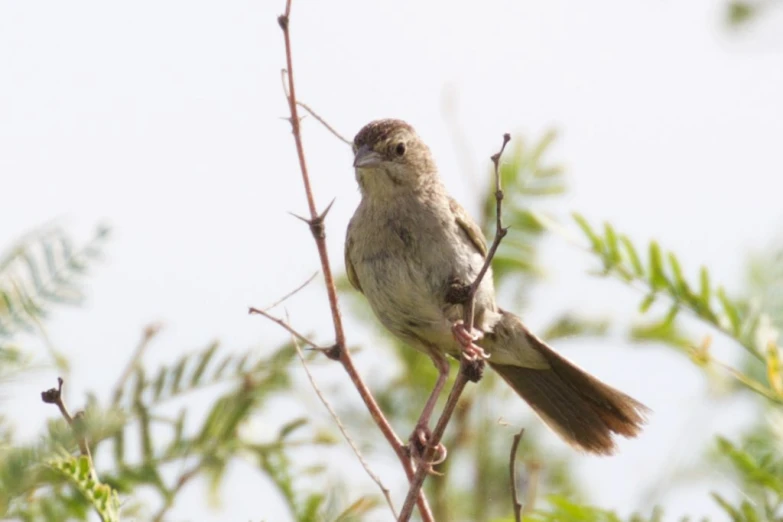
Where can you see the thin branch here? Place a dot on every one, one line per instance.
(55, 396)
(468, 370)
(500, 233)
(316, 224)
(183, 479)
(512, 470)
(344, 431)
(147, 335)
(290, 329)
(314, 114)
(325, 124)
(291, 293)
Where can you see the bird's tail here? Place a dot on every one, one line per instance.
(584, 411)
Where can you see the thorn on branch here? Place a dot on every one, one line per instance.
(317, 223)
(334, 352)
(317, 230)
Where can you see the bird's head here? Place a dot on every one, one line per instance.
(389, 156)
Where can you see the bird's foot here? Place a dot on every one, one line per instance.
(418, 446)
(470, 351)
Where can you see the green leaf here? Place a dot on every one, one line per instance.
(647, 302)
(679, 281)
(749, 468)
(206, 356)
(671, 314)
(290, 427)
(177, 373)
(357, 510)
(612, 245)
(657, 279)
(79, 472)
(705, 291)
(633, 256)
(595, 240)
(749, 512)
(730, 310)
(727, 507)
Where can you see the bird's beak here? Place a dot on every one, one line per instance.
(366, 157)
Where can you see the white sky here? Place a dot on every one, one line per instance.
(164, 120)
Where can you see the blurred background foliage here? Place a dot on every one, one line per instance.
(146, 444)
(740, 13)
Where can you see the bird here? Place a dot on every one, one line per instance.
(411, 249)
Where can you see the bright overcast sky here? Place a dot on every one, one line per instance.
(164, 120)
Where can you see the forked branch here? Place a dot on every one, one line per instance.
(468, 370)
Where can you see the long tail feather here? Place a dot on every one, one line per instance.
(584, 411)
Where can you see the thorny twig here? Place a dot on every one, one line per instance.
(469, 370)
(345, 433)
(512, 470)
(55, 396)
(316, 223)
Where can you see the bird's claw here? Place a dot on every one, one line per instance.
(419, 444)
(470, 351)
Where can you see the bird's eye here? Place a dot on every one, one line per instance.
(400, 149)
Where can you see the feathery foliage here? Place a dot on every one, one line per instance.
(42, 269)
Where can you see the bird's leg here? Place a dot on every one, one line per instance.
(470, 350)
(419, 440)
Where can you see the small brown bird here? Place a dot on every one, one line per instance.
(410, 245)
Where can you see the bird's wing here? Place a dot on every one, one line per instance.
(348, 265)
(468, 226)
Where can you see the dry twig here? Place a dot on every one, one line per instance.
(344, 431)
(512, 470)
(291, 293)
(469, 370)
(325, 124)
(316, 224)
(55, 396)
